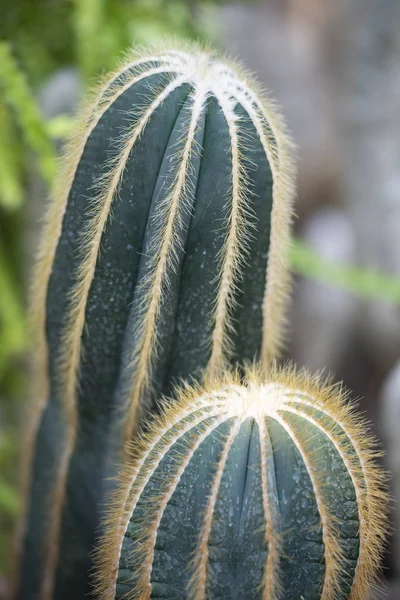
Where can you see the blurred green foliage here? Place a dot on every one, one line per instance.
(39, 37)
(361, 282)
(47, 34)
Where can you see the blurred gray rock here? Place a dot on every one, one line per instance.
(369, 109)
(61, 93)
(324, 317)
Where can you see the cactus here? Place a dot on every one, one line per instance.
(262, 490)
(163, 256)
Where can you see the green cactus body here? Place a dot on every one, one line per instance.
(164, 256)
(264, 491)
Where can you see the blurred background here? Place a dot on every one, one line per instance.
(334, 67)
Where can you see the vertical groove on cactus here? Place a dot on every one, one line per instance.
(230, 257)
(164, 256)
(271, 580)
(178, 201)
(201, 557)
(275, 299)
(108, 185)
(329, 533)
(362, 477)
(266, 489)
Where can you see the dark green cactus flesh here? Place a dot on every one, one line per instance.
(259, 492)
(164, 256)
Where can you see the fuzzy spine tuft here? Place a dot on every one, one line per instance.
(267, 489)
(168, 234)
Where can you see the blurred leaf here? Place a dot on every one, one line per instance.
(8, 498)
(12, 322)
(89, 28)
(18, 95)
(11, 193)
(362, 282)
(60, 127)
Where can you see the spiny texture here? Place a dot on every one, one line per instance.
(164, 255)
(266, 490)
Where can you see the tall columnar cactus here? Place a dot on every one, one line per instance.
(262, 490)
(164, 256)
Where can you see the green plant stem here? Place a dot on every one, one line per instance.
(363, 282)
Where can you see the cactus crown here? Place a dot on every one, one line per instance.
(263, 490)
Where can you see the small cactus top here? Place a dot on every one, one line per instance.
(263, 490)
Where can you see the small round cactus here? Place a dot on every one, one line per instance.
(262, 490)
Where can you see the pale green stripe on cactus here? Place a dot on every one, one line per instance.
(278, 464)
(164, 258)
